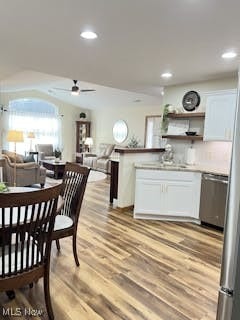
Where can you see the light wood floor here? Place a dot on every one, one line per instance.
(130, 269)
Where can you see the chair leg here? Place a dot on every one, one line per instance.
(74, 244)
(58, 245)
(47, 295)
(10, 294)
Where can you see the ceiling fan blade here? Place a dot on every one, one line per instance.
(62, 89)
(87, 90)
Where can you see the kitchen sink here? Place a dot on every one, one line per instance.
(174, 165)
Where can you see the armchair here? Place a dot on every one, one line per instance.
(45, 152)
(100, 162)
(26, 173)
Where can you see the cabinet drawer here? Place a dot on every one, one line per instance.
(165, 175)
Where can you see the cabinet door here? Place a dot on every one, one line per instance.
(167, 193)
(219, 118)
(148, 196)
(178, 199)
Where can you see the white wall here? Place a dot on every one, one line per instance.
(70, 115)
(104, 119)
(174, 94)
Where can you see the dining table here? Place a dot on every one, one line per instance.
(24, 190)
(31, 189)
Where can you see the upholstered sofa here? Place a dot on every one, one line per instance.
(27, 173)
(100, 161)
(45, 152)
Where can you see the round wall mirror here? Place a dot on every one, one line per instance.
(120, 131)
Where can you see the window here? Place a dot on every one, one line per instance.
(34, 116)
(152, 131)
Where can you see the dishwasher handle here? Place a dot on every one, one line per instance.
(215, 179)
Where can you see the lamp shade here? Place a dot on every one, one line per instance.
(89, 141)
(15, 136)
(31, 135)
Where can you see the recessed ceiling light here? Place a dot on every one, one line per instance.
(88, 35)
(166, 75)
(75, 93)
(229, 55)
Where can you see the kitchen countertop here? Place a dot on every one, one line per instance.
(157, 165)
(138, 150)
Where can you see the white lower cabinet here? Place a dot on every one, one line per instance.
(173, 195)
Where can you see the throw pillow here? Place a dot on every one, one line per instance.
(102, 149)
(19, 158)
(28, 158)
(11, 156)
(109, 150)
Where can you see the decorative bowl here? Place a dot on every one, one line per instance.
(191, 133)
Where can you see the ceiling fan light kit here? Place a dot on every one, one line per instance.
(75, 93)
(75, 89)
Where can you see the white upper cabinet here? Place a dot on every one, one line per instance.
(220, 115)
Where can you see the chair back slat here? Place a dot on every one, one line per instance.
(74, 185)
(26, 225)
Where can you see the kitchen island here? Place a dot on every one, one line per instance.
(126, 172)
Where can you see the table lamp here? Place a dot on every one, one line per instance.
(31, 136)
(89, 143)
(15, 136)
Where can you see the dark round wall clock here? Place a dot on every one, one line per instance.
(191, 100)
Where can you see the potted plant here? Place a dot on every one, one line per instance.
(82, 115)
(133, 142)
(57, 153)
(165, 120)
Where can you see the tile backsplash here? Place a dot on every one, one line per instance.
(209, 153)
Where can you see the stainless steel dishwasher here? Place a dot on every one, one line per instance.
(213, 199)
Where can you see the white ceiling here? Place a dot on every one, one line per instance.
(103, 97)
(137, 41)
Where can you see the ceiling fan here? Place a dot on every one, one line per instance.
(75, 89)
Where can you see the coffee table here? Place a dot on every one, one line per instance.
(56, 167)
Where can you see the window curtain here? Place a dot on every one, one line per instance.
(46, 128)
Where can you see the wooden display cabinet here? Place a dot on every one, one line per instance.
(83, 130)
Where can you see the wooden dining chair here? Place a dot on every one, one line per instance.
(26, 226)
(74, 184)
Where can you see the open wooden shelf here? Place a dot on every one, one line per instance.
(182, 137)
(186, 115)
